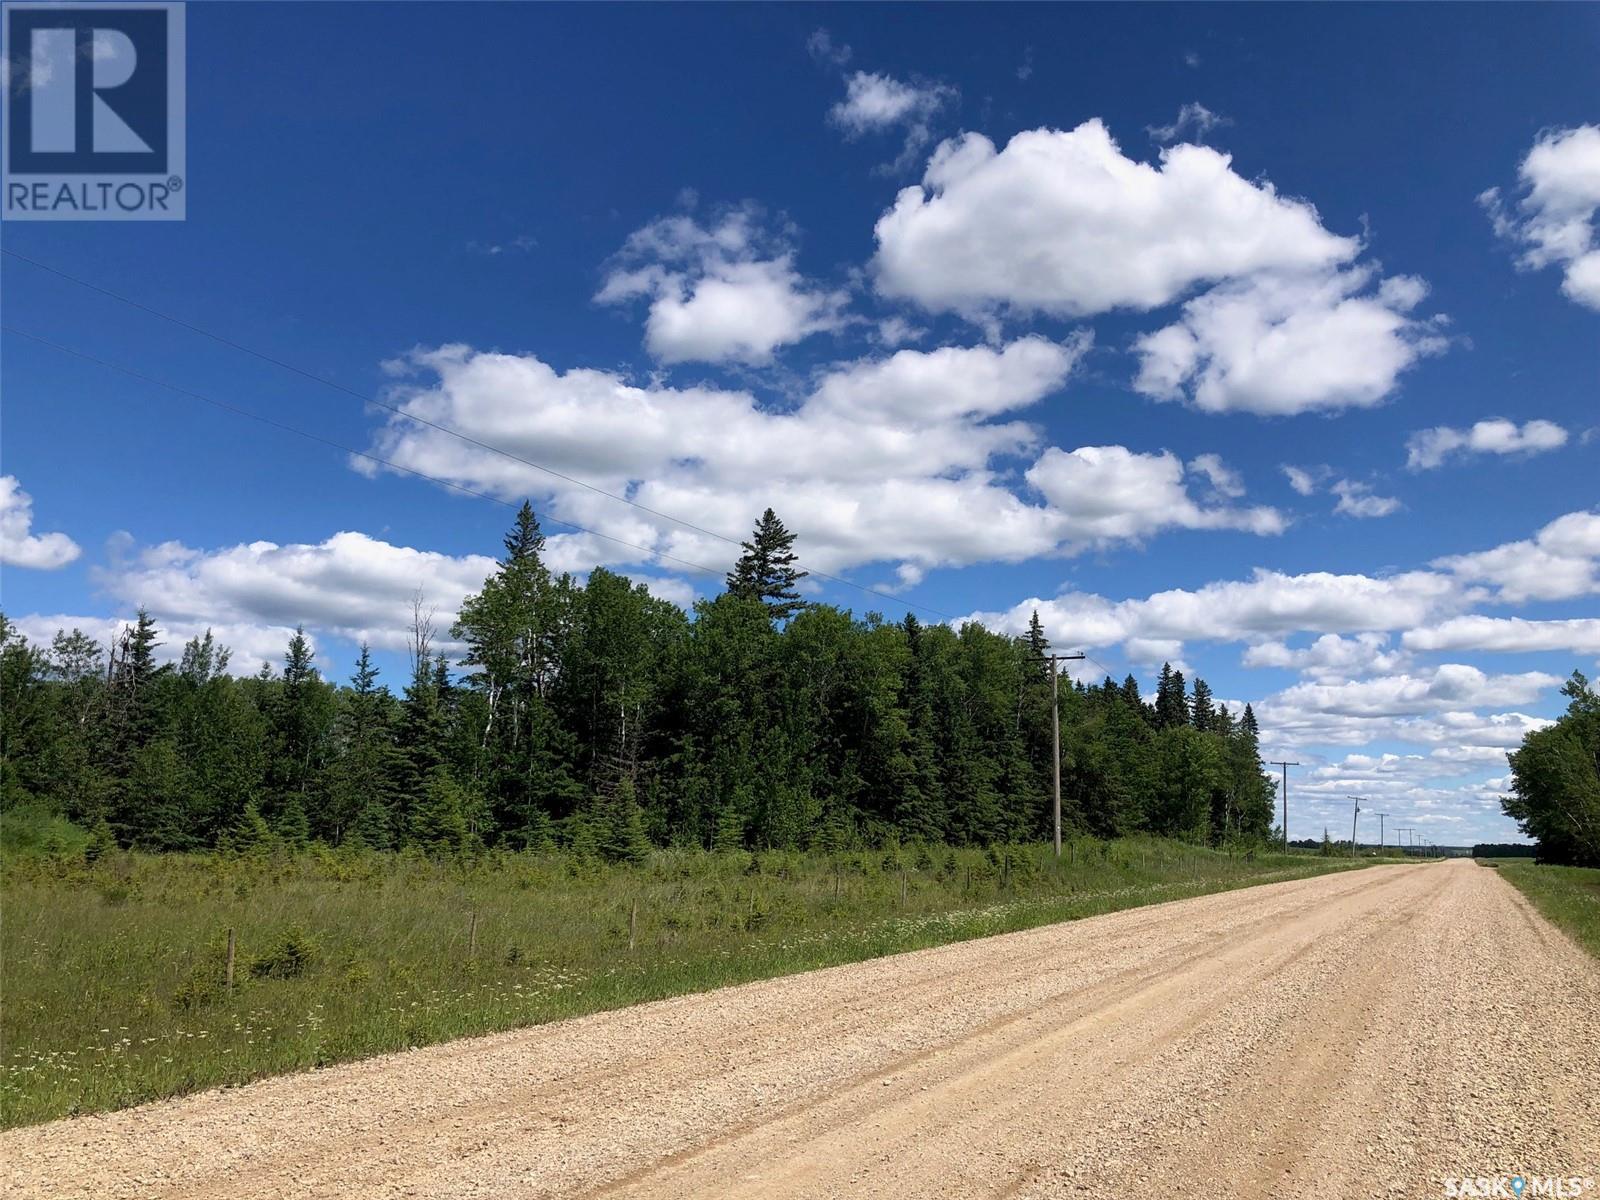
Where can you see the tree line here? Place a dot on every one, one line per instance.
(1555, 781)
(592, 715)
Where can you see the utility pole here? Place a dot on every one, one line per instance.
(1285, 765)
(1354, 817)
(1055, 733)
(1380, 817)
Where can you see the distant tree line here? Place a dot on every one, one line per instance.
(594, 716)
(1504, 850)
(1555, 781)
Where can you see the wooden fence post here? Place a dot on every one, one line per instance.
(472, 936)
(633, 925)
(230, 958)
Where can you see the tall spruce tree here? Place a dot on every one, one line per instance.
(515, 630)
(766, 570)
(361, 785)
(1172, 702)
(218, 735)
(302, 719)
(1202, 712)
(1132, 698)
(134, 674)
(1038, 644)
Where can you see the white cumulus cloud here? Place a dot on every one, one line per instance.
(1111, 493)
(724, 292)
(1061, 221)
(1192, 116)
(1224, 479)
(1331, 656)
(876, 103)
(1560, 562)
(1279, 344)
(19, 545)
(352, 585)
(903, 459)
(1554, 218)
(1302, 481)
(1357, 499)
(1269, 604)
(1451, 686)
(1579, 635)
(1430, 448)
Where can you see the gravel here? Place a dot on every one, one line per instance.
(1372, 1033)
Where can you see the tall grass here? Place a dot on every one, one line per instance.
(115, 986)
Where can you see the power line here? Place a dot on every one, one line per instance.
(444, 429)
(1354, 817)
(1278, 762)
(1099, 665)
(1055, 732)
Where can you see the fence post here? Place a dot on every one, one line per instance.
(633, 925)
(230, 958)
(472, 936)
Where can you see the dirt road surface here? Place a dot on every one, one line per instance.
(1364, 1034)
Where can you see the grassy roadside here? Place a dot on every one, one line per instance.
(114, 974)
(1568, 896)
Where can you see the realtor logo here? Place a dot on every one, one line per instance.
(94, 112)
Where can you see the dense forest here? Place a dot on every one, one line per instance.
(594, 716)
(1555, 781)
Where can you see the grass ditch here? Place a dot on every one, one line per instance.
(116, 979)
(1569, 897)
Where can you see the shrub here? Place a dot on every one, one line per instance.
(200, 987)
(33, 828)
(114, 890)
(292, 954)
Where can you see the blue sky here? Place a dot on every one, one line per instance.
(998, 306)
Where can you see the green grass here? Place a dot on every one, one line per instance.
(114, 974)
(1568, 896)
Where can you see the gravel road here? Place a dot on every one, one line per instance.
(1362, 1034)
